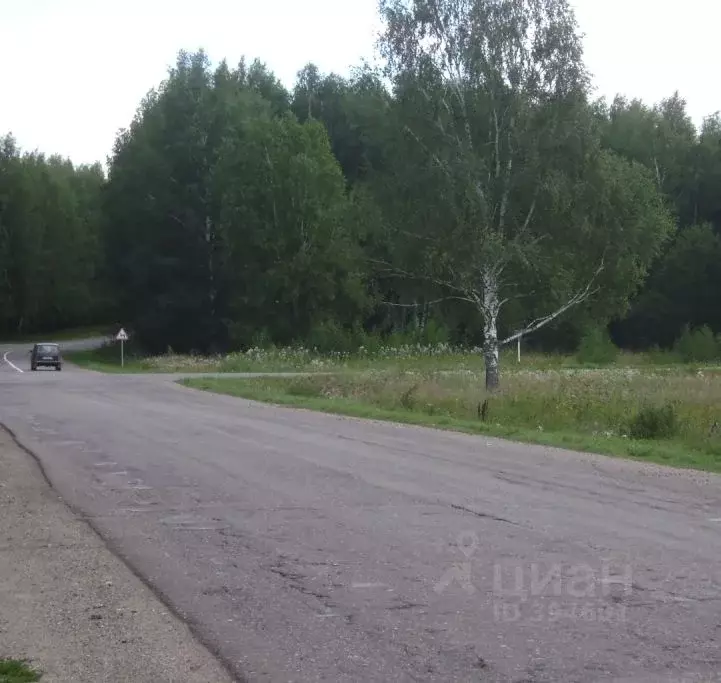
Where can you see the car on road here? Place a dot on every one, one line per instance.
(46, 354)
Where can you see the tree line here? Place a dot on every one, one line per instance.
(472, 190)
(51, 243)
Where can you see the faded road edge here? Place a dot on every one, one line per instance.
(101, 554)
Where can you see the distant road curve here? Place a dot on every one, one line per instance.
(15, 355)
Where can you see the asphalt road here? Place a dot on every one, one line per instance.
(308, 547)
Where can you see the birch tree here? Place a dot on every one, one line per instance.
(491, 90)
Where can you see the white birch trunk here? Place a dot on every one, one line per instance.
(490, 307)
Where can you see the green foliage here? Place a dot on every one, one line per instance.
(51, 257)
(434, 333)
(686, 166)
(164, 243)
(328, 336)
(229, 216)
(654, 422)
(699, 345)
(682, 290)
(660, 357)
(481, 196)
(407, 398)
(596, 347)
(352, 111)
(292, 263)
(429, 333)
(14, 671)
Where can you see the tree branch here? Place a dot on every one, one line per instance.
(443, 166)
(175, 218)
(394, 271)
(506, 180)
(529, 216)
(497, 143)
(426, 303)
(659, 176)
(579, 297)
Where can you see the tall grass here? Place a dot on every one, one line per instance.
(643, 409)
(439, 356)
(593, 401)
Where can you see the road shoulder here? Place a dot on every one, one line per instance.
(69, 606)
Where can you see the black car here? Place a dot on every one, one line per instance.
(46, 354)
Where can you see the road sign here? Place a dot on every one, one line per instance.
(122, 337)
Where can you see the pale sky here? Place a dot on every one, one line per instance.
(73, 71)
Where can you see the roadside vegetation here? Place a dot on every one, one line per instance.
(406, 352)
(663, 407)
(14, 671)
(666, 415)
(410, 357)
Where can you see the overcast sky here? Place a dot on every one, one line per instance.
(73, 71)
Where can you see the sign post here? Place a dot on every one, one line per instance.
(122, 337)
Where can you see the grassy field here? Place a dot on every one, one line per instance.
(666, 415)
(106, 359)
(13, 671)
(410, 357)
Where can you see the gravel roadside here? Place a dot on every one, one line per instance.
(69, 606)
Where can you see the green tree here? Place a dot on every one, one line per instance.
(261, 80)
(353, 111)
(662, 138)
(164, 244)
(291, 258)
(687, 167)
(493, 97)
(684, 289)
(50, 241)
(228, 217)
(707, 175)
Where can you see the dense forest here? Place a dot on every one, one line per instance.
(471, 190)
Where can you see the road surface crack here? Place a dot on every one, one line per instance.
(483, 515)
(295, 582)
(405, 604)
